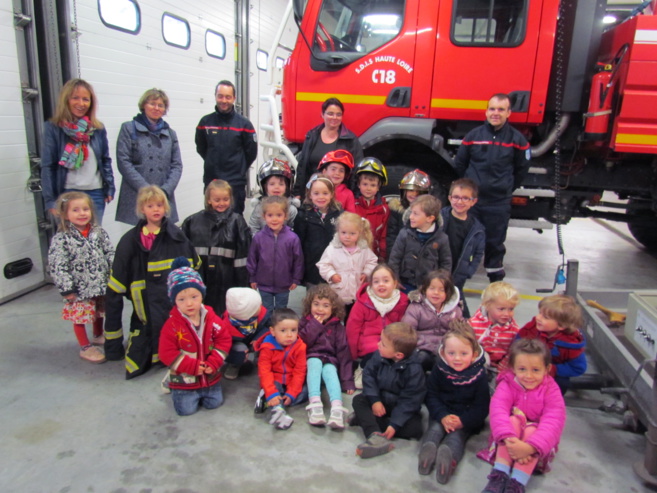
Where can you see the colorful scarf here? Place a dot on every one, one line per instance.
(76, 152)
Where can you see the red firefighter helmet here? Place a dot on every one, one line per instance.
(338, 156)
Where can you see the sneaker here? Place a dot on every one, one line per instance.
(336, 419)
(98, 340)
(375, 445)
(275, 414)
(279, 418)
(231, 372)
(261, 403)
(92, 354)
(514, 486)
(284, 422)
(445, 464)
(316, 414)
(496, 482)
(427, 458)
(358, 378)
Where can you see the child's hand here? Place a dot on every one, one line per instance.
(363, 278)
(519, 450)
(254, 285)
(319, 319)
(335, 278)
(287, 401)
(293, 287)
(378, 409)
(389, 433)
(201, 368)
(274, 401)
(208, 369)
(350, 392)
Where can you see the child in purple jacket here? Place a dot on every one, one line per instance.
(329, 358)
(275, 262)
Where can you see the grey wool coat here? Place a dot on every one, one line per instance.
(150, 159)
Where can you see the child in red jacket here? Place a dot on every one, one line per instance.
(193, 344)
(557, 325)
(281, 368)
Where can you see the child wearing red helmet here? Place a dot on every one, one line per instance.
(336, 166)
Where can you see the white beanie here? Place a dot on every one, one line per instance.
(243, 303)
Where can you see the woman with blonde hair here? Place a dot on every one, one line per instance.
(75, 153)
(147, 153)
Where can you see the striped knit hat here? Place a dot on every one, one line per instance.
(182, 276)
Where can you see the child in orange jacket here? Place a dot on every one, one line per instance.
(281, 368)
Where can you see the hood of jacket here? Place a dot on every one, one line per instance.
(463, 377)
(416, 296)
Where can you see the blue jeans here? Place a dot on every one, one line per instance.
(271, 301)
(97, 197)
(318, 371)
(187, 402)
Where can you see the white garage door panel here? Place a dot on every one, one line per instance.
(18, 230)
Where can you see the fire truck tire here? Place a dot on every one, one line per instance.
(645, 231)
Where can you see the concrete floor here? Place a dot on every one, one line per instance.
(75, 427)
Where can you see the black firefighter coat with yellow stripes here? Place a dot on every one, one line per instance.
(140, 275)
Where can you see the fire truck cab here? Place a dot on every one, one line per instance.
(416, 76)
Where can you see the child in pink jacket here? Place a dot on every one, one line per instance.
(527, 417)
(378, 304)
(348, 260)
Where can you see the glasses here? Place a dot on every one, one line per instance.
(458, 198)
(159, 106)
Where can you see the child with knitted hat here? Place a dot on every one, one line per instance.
(247, 320)
(193, 343)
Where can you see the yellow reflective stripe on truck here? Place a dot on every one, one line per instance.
(320, 97)
(459, 104)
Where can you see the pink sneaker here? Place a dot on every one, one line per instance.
(92, 354)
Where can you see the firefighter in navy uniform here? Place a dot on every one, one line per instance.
(496, 157)
(228, 144)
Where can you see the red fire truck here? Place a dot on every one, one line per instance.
(416, 75)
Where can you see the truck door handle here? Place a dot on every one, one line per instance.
(399, 97)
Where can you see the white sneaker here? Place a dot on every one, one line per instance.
(98, 340)
(316, 414)
(336, 419)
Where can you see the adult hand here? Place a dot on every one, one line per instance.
(254, 285)
(108, 199)
(293, 287)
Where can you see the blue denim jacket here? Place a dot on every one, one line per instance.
(53, 176)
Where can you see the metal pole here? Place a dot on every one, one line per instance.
(572, 273)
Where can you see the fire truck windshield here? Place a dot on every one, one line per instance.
(357, 27)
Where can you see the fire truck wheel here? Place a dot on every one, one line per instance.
(645, 229)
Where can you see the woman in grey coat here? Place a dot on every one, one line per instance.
(147, 153)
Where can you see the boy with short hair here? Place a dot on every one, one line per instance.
(281, 368)
(371, 175)
(393, 392)
(193, 344)
(557, 325)
(421, 246)
(467, 236)
(247, 319)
